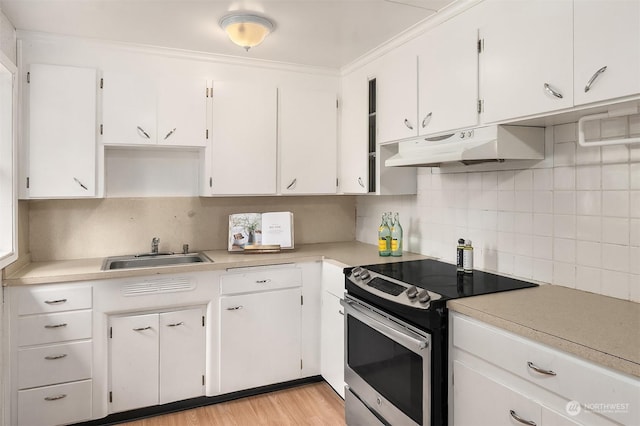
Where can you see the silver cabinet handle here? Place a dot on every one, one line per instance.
(593, 78)
(340, 312)
(234, 308)
(292, 184)
(142, 328)
(426, 120)
(408, 124)
(550, 90)
(146, 135)
(263, 281)
(64, 324)
(55, 398)
(176, 324)
(170, 133)
(519, 419)
(360, 182)
(80, 183)
(53, 357)
(55, 302)
(540, 370)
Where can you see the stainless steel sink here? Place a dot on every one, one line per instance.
(151, 260)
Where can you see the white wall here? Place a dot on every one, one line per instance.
(7, 38)
(575, 224)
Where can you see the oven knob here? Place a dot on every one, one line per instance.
(364, 274)
(412, 292)
(424, 296)
(355, 272)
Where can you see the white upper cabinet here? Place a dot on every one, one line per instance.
(607, 49)
(526, 63)
(354, 168)
(182, 111)
(308, 141)
(448, 76)
(61, 132)
(243, 139)
(397, 97)
(139, 111)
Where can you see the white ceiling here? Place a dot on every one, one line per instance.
(329, 33)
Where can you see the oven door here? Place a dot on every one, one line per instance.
(387, 366)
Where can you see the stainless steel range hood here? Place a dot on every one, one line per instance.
(479, 145)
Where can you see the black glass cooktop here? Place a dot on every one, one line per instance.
(442, 278)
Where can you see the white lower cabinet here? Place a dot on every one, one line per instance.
(332, 327)
(260, 328)
(499, 377)
(50, 337)
(156, 358)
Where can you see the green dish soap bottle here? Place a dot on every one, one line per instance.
(396, 236)
(384, 237)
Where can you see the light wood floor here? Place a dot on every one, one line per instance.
(311, 404)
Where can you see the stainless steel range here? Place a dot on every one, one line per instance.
(396, 331)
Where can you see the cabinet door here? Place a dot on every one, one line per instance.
(332, 342)
(308, 141)
(448, 76)
(552, 418)
(259, 339)
(182, 112)
(243, 139)
(354, 161)
(133, 351)
(62, 131)
(607, 34)
(397, 97)
(478, 400)
(526, 57)
(128, 109)
(182, 355)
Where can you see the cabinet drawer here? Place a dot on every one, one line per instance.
(55, 405)
(50, 328)
(44, 300)
(48, 365)
(260, 280)
(573, 378)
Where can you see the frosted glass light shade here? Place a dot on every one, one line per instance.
(246, 30)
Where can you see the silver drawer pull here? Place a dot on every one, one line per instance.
(540, 370)
(519, 419)
(82, 185)
(408, 124)
(146, 135)
(360, 182)
(170, 133)
(550, 90)
(64, 324)
(340, 312)
(292, 184)
(263, 281)
(55, 398)
(426, 119)
(175, 324)
(593, 78)
(53, 357)
(234, 308)
(142, 328)
(55, 302)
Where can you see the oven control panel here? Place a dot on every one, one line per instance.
(392, 289)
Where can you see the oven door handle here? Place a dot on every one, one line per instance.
(385, 326)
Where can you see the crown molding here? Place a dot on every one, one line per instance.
(34, 36)
(442, 15)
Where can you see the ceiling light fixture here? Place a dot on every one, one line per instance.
(246, 30)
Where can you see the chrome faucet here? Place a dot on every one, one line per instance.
(154, 245)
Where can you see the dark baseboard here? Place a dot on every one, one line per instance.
(201, 401)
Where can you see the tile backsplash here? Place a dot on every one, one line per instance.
(574, 222)
(72, 229)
